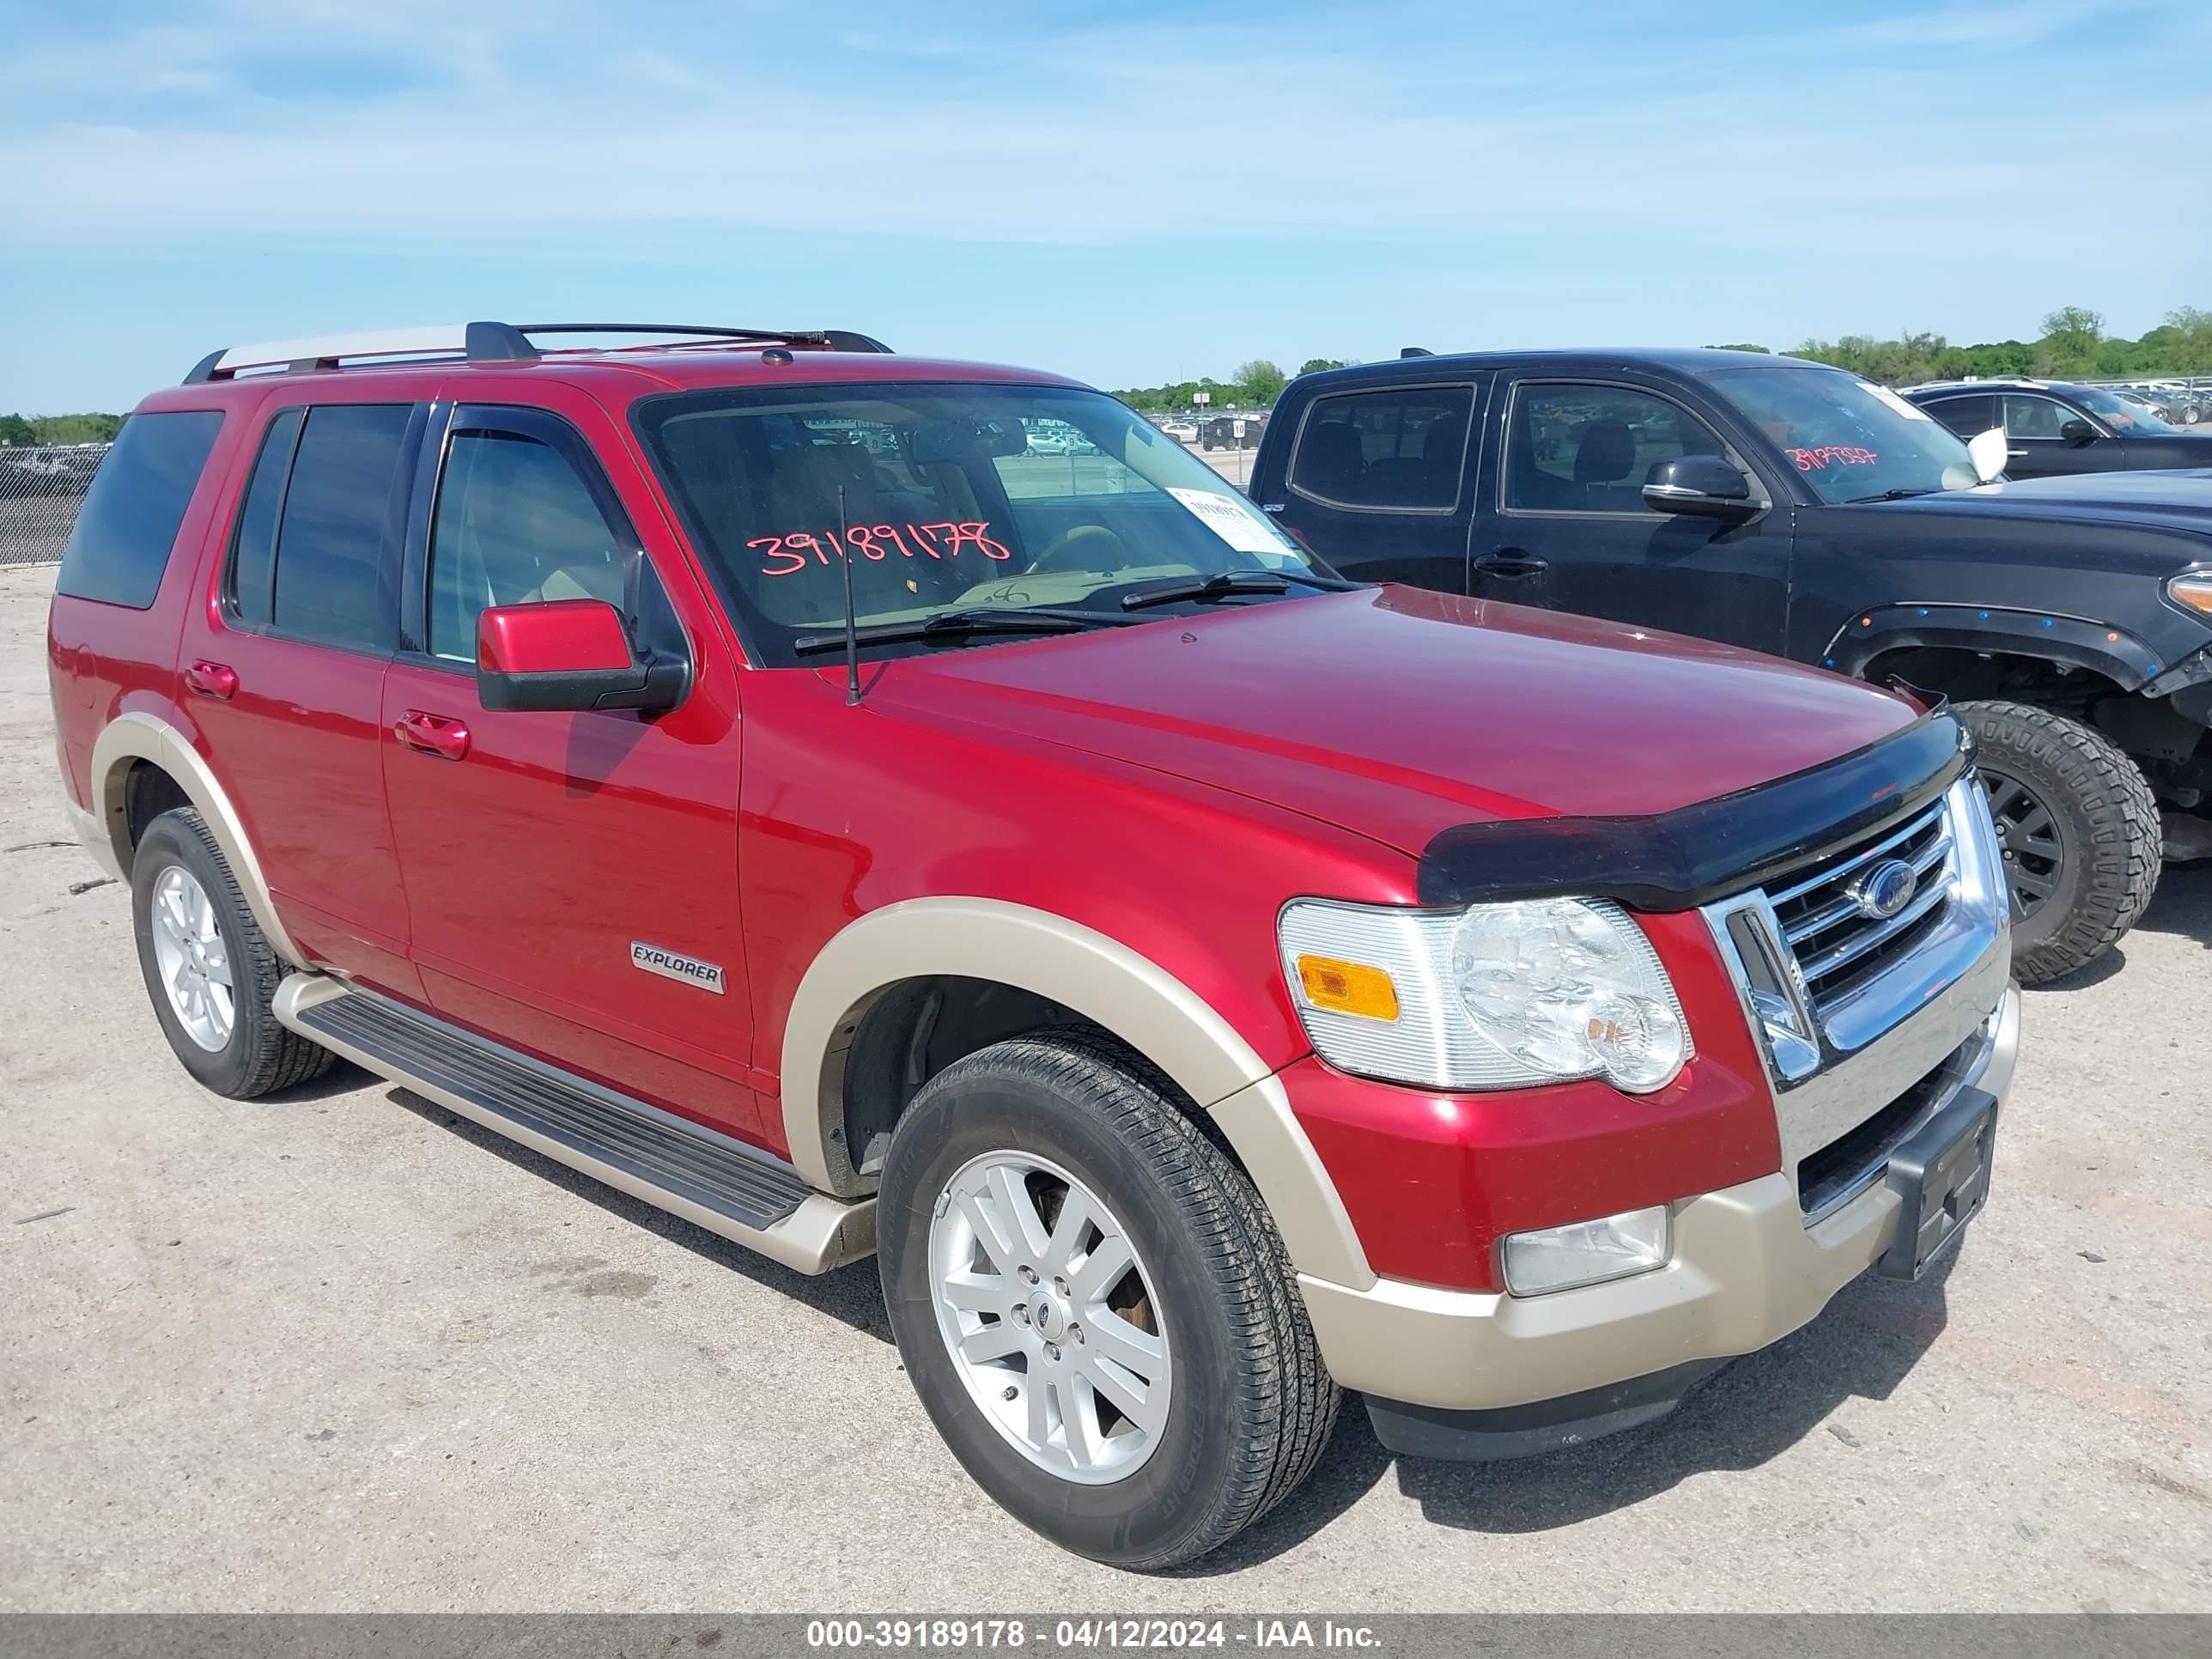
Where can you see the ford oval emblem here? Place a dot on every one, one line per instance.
(1883, 891)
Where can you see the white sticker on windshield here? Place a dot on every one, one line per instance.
(1230, 518)
(1910, 411)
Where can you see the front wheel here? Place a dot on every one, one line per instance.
(2078, 828)
(1093, 1305)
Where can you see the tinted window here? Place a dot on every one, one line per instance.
(2034, 417)
(1591, 448)
(514, 524)
(335, 546)
(120, 545)
(1385, 449)
(254, 555)
(1968, 416)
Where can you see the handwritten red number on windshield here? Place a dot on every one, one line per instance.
(970, 534)
(776, 550)
(1813, 460)
(787, 555)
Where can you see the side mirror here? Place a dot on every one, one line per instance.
(1703, 486)
(1987, 451)
(2077, 432)
(569, 654)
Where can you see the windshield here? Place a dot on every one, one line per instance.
(2126, 418)
(1849, 439)
(952, 496)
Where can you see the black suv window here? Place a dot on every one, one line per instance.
(121, 543)
(1400, 449)
(515, 523)
(1969, 417)
(1577, 448)
(317, 550)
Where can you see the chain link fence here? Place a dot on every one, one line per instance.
(40, 490)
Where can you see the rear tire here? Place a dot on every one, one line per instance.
(2080, 829)
(208, 969)
(1247, 1403)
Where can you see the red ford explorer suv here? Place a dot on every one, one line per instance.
(747, 768)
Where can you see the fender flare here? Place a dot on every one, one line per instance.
(136, 735)
(1104, 981)
(2077, 641)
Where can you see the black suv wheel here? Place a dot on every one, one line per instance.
(2079, 828)
(1093, 1305)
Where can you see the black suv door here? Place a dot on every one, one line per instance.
(2037, 443)
(1560, 520)
(1378, 481)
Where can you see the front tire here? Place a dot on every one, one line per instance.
(2079, 827)
(208, 969)
(1139, 1414)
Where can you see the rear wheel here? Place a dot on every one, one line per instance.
(1093, 1305)
(208, 969)
(2079, 830)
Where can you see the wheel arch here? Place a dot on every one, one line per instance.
(136, 739)
(2047, 636)
(1094, 977)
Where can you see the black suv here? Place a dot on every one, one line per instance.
(1788, 506)
(2052, 426)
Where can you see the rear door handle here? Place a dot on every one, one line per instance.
(213, 679)
(1510, 562)
(432, 734)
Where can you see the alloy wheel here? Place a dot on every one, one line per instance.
(194, 957)
(2028, 837)
(1049, 1317)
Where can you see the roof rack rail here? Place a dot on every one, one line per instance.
(487, 343)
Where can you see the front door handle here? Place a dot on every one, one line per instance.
(213, 679)
(432, 734)
(1510, 562)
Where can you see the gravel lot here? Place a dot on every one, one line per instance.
(340, 1351)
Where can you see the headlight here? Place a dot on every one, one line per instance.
(2195, 592)
(1495, 996)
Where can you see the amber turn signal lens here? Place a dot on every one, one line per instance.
(1348, 987)
(2195, 592)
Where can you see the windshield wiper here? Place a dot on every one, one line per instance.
(971, 619)
(1230, 584)
(1891, 495)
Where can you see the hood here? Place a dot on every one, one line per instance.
(2177, 498)
(1394, 712)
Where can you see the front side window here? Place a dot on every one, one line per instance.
(2026, 417)
(943, 497)
(514, 524)
(119, 545)
(335, 582)
(1577, 448)
(1400, 449)
(1849, 439)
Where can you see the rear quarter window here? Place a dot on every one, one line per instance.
(120, 545)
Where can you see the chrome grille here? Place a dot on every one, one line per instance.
(1838, 947)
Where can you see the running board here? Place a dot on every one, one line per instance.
(738, 1192)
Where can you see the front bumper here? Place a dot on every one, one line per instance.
(1747, 1269)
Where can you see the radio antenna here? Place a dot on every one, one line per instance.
(852, 626)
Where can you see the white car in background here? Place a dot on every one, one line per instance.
(1183, 432)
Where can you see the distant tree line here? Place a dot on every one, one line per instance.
(59, 429)
(2073, 346)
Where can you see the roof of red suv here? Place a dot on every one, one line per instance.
(671, 358)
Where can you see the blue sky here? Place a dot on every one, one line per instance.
(1129, 194)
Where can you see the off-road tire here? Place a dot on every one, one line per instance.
(2107, 825)
(1251, 1404)
(261, 1055)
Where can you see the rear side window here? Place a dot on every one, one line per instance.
(1968, 416)
(129, 522)
(1396, 449)
(317, 552)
